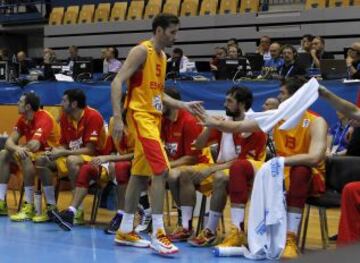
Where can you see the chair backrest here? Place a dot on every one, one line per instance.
(171, 7)
(356, 2)
(56, 16)
(86, 14)
(136, 10)
(71, 15)
(315, 4)
(189, 8)
(228, 7)
(118, 12)
(102, 12)
(339, 3)
(152, 8)
(249, 6)
(209, 7)
(341, 170)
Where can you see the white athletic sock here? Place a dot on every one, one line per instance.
(49, 194)
(293, 222)
(186, 215)
(127, 223)
(157, 223)
(213, 221)
(237, 216)
(3, 190)
(29, 194)
(72, 209)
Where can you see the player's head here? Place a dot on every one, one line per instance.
(173, 93)
(165, 27)
(28, 102)
(289, 86)
(238, 100)
(271, 104)
(73, 100)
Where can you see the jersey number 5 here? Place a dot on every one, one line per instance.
(158, 70)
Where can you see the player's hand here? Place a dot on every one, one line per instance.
(54, 154)
(313, 52)
(21, 152)
(98, 161)
(195, 107)
(349, 61)
(118, 129)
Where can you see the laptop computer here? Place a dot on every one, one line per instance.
(83, 69)
(202, 66)
(333, 69)
(256, 61)
(304, 59)
(229, 67)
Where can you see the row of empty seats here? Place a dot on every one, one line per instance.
(138, 10)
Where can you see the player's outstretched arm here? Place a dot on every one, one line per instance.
(345, 107)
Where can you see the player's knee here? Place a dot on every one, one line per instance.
(173, 177)
(122, 172)
(351, 189)
(220, 180)
(83, 178)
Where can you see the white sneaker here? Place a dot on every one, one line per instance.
(145, 222)
(130, 239)
(161, 244)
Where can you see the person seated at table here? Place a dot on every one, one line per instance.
(220, 53)
(264, 47)
(291, 67)
(306, 44)
(41, 132)
(318, 52)
(73, 56)
(339, 136)
(179, 61)
(25, 63)
(353, 60)
(106, 166)
(49, 57)
(111, 61)
(83, 136)
(272, 66)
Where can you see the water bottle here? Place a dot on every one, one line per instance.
(228, 251)
(37, 202)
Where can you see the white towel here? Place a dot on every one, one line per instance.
(227, 149)
(290, 110)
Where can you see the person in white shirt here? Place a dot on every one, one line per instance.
(111, 59)
(178, 57)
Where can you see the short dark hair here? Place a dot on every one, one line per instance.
(178, 51)
(309, 37)
(115, 51)
(233, 39)
(293, 84)
(164, 21)
(33, 100)
(77, 95)
(241, 94)
(74, 47)
(173, 93)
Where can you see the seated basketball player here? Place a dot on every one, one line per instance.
(349, 230)
(109, 166)
(41, 132)
(250, 148)
(304, 149)
(83, 135)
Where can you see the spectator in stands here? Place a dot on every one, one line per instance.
(4, 54)
(220, 53)
(291, 67)
(24, 63)
(318, 51)
(180, 59)
(73, 56)
(263, 48)
(273, 65)
(271, 103)
(306, 44)
(353, 61)
(111, 58)
(49, 57)
(339, 136)
(232, 42)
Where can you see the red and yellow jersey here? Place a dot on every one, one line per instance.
(125, 146)
(146, 86)
(89, 129)
(42, 128)
(179, 136)
(297, 141)
(252, 147)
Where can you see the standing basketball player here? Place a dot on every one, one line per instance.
(145, 69)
